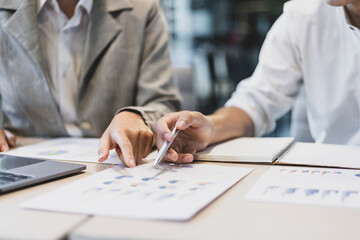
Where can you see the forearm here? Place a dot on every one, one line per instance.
(230, 122)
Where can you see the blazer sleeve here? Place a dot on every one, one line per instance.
(157, 92)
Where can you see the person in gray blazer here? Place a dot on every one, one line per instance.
(85, 69)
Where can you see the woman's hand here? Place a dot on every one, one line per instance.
(129, 135)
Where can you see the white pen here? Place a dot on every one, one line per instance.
(165, 147)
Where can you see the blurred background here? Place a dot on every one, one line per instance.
(215, 44)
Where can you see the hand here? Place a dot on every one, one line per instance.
(195, 133)
(7, 139)
(130, 137)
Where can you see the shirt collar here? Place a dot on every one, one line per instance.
(86, 4)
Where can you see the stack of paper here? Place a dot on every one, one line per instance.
(259, 150)
(174, 191)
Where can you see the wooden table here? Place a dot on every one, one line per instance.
(228, 217)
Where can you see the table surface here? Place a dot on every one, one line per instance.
(228, 217)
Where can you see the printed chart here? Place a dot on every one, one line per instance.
(172, 191)
(314, 186)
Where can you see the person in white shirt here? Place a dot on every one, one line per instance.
(314, 46)
(85, 68)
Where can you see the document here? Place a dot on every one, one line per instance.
(67, 149)
(324, 155)
(246, 149)
(171, 192)
(310, 186)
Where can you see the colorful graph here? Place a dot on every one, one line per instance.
(311, 172)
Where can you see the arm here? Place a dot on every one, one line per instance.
(131, 131)
(230, 122)
(253, 107)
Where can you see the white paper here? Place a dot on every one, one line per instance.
(173, 192)
(246, 149)
(68, 149)
(330, 155)
(311, 186)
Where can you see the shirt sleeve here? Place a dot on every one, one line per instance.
(271, 90)
(157, 92)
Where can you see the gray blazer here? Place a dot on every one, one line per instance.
(126, 67)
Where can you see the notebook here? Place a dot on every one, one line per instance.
(246, 149)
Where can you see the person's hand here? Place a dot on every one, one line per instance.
(7, 140)
(130, 137)
(195, 133)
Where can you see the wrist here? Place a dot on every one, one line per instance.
(131, 113)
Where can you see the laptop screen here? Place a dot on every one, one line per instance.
(10, 162)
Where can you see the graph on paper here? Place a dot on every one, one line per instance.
(314, 186)
(174, 191)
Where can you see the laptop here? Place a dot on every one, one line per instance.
(17, 172)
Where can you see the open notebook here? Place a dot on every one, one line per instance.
(282, 151)
(246, 149)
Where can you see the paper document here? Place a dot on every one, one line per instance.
(68, 149)
(173, 192)
(327, 155)
(312, 186)
(246, 149)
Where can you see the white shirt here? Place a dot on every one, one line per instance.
(62, 41)
(311, 45)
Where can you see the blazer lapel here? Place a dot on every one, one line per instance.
(102, 30)
(23, 26)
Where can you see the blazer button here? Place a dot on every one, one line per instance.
(85, 125)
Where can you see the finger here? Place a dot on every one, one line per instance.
(171, 155)
(143, 147)
(188, 119)
(126, 148)
(3, 142)
(185, 158)
(164, 124)
(120, 155)
(139, 147)
(104, 146)
(11, 139)
(174, 157)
